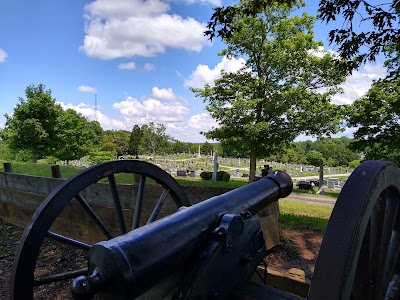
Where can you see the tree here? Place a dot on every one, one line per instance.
(359, 44)
(75, 136)
(314, 157)
(283, 90)
(154, 138)
(135, 141)
(206, 148)
(376, 115)
(32, 127)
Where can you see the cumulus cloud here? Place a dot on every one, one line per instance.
(86, 89)
(163, 94)
(127, 66)
(359, 83)
(3, 55)
(125, 28)
(204, 75)
(190, 131)
(89, 111)
(150, 110)
(149, 67)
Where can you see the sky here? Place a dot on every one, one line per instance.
(135, 59)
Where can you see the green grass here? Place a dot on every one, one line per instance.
(332, 194)
(298, 215)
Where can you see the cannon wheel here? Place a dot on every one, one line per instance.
(359, 255)
(23, 271)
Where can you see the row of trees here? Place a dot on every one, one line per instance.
(40, 128)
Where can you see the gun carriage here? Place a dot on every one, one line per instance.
(211, 249)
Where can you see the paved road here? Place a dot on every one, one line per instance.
(311, 199)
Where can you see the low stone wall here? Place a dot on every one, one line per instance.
(20, 195)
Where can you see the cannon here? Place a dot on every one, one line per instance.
(211, 249)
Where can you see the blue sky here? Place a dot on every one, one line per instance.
(138, 57)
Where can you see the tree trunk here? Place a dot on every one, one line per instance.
(34, 158)
(253, 160)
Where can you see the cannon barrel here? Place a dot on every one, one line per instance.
(136, 261)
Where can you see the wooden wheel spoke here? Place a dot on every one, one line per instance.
(68, 241)
(93, 215)
(138, 202)
(117, 204)
(59, 277)
(158, 206)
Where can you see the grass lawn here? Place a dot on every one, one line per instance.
(298, 215)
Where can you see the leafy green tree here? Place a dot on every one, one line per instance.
(283, 90)
(32, 127)
(206, 148)
(314, 157)
(376, 115)
(135, 141)
(98, 130)
(76, 136)
(121, 139)
(115, 141)
(155, 139)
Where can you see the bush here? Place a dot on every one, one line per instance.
(101, 156)
(223, 176)
(206, 175)
(354, 164)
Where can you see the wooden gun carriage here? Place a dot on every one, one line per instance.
(211, 249)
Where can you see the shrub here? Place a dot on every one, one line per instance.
(206, 175)
(354, 164)
(101, 156)
(223, 176)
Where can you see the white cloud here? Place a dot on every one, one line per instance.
(150, 110)
(3, 55)
(359, 83)
(204, 75)
(125, 28)
(149, 67)
(173, 115)
(127, 66)
(86, 89)
(190, 131)
(89, 111)
(212, 2)
(163, 94)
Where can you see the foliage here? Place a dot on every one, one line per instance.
(354, 163)
(223, 176)
(207, 148)
(135, 141)
(155, 140)
(116, 141)
(101, 156)
(314, 157)
(376, 115)
(367, 29)
(32, 125)
(378, 30)
(271, 100)
(206, 175)
(76, 137)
